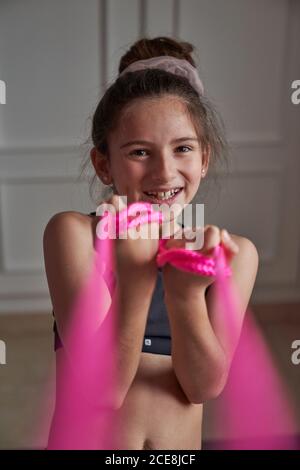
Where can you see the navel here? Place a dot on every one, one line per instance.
(147, 445)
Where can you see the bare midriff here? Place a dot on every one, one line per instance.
(155, 414)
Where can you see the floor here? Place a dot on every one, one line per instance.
(27, 384)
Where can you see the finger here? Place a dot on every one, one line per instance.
(193, 238)
(212, 238)
(177, 240)
(228, 242)
(119, 202)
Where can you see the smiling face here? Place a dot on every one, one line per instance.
(153, 149)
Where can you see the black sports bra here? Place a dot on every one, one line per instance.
(157, 337)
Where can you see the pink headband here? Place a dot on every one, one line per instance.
(171, 64)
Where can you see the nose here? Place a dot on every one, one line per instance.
(164, 168)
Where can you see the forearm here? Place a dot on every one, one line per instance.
(131, 302)
(110, 328)
(197, 355)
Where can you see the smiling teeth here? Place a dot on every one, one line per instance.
(164, 195)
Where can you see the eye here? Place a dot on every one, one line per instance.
(184, 147)
(134, 152)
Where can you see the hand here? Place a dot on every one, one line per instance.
(135, 252)
(181, 284)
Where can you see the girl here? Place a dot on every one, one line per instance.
(154, 132)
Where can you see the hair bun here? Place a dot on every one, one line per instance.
(146, 48)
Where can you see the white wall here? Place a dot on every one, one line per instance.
(55, 57)
(50, 56)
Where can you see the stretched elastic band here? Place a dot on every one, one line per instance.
(181, 258)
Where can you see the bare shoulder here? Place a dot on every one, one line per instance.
(68, 257)
(70, 227)
(65, 218)
(247, 251)
(68, 244)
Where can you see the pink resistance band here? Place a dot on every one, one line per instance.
(186, 260)
(93, 348)
(190, 261)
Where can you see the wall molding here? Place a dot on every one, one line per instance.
(258, 154)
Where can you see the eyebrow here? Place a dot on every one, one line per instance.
(181, 139)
